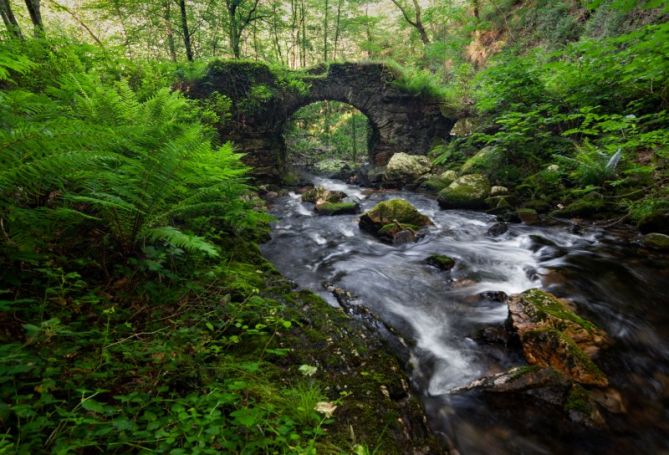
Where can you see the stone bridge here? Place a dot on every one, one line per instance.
(258, 101)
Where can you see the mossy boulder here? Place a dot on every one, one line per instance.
(467, 192)
(319, 194)
(448, 177)
(656, 241)
(499, 190)
(388, 218)
(553, 335)
(484, 160)
(441, 261)
(404, 169)
(528, 216)
(337, 208)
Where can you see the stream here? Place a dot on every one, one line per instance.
(613, 282)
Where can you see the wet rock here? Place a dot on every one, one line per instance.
(337, 208)
(433, 183)
(553, 335)
(388, 218)
(656, 241)
(549, 384)
(528, 216)
(499, 190)
(498, 229)
(494, 296)
(405, 236)
(582, 407)
(371, 175)
(467, 192)
(449, 177)
(441, 262)
(464, 283)
(495, 335)
(610, 399)
(315, 194)
(403, 169)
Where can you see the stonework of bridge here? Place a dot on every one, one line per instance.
(262, 100)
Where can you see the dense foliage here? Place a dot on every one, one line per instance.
(586, 125)
(136, 313)
(129, 275)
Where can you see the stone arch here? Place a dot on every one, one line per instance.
(262, 100)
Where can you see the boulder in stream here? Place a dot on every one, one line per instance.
(337, 208)
(441, 261)
(467, 192)
(391, 220)
(656, 241)
(404, 169)
(320, 194)
(553, 335)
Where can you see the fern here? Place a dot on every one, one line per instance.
(176, 238)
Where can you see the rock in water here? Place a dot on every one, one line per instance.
(403, 169)
(337, 208)
(528, 216)
(498, 229)
(467, 192)
(552, 335)
(320, 194)
(656, 241)
(441, 262)
(388, 218)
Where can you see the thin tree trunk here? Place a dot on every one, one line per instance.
(293, 35)
(185, 31)
(337, 30)
(368, 29)
(275, 32)
(10, 20)
(167, 17)
(304, 36)
(35, 15)
(325, 31)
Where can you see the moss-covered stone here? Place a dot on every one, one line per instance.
(320, 194)
(528, 216)
(467, 192)
(390, 217)
(441, 261)
(485, 160)
(337, 208)
(552, 334)
(404, 169)
(656, 241)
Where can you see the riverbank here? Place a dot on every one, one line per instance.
(449, 327)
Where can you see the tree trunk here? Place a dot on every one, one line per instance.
(185, 31)
(10, 20)
(325, 32)
(35, 15)
(167, 17)
(337, 30)
(304, 36)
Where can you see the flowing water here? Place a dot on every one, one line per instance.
(619, 286)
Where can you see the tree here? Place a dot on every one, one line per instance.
(35, 15)
(416, 22)
(9, 19)
(241, 13)
(185, 30)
